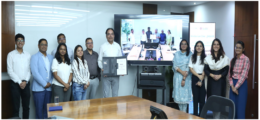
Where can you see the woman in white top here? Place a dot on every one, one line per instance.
(80, 74)
(61, 68)
(196, 65)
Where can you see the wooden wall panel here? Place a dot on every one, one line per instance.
(8, 31)
(7, 108)
(243, 18)
(149, 9)
(246, 25)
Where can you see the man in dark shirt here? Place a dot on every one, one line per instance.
(162, 38)
(92, 61)
(148, 33)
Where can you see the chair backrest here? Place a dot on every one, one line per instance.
(224, 107)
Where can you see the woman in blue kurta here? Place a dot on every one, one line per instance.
(182, 76)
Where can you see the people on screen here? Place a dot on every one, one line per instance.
(80, 75)
(40, 64)
(162, 38)
(182, 76)
(18, 68)
(143, 37)
(196, 65)
(62, 39)
(109, 49)
(131, 37)
(238, 74)
(169, 38)
(148, 34)
(157, 40)
(62, 73)
(91, 57)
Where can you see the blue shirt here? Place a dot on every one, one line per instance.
(162, 37)
(47, 63)
(148, 34)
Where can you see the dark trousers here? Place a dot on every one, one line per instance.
(59, 91)
(199, 94)
(40, 100)
(16, 93)
(239, 100)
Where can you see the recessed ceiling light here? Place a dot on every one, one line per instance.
(163, 10)
(194, 3)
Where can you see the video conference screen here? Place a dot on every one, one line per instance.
(152, 37)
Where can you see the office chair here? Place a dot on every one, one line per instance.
(157, 113)
(222, 108)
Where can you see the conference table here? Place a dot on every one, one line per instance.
(135, 52)
(123, 107)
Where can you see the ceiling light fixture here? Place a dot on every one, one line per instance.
(46, 15)
(22, 17)
(194, 3)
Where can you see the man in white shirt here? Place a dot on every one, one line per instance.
(157, 36)
(18, 68)
(62, 39)
(143, 37)
(109, 49)
(132, 37)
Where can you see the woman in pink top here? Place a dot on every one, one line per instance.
(238, 72)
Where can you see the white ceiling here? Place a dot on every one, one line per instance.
(174, 3)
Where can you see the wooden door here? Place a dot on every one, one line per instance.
(246, 26)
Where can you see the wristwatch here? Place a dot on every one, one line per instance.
(200, 81)
(24, 81)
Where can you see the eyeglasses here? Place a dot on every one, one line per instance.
(238, 48)
(89, 43)
(20, 40)
(61, 38)
(43, 44)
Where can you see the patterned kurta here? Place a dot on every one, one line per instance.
(181, 95)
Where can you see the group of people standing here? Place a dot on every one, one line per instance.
(161, 38)
(75, 74)
(66, 73)
(203, 76)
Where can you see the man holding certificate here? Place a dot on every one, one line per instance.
(109, 49)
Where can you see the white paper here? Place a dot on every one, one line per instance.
(121, 66)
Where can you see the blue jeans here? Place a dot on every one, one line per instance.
(162, 42)
(78, 92)
(240, 99)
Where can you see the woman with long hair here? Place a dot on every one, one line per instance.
(61, 68)
(182, 77)
(80, 74)
(216, 68)
(238, 74)
(196, 65)
(169, 38)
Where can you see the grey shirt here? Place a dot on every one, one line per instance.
(92, 61)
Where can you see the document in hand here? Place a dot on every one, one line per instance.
(114, 66)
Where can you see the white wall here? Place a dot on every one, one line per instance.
(177, 9)
(87, 24)
(223, 14)
(163, 10)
